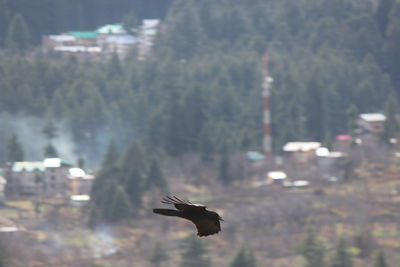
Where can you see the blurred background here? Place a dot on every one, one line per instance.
(282, 116)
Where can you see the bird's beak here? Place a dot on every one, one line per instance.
(219, 218)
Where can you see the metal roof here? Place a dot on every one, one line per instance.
(28, 166)
(84, 34)
(373, 117)
(301, 146)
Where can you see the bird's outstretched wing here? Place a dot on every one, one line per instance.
(207, 226)
(182, 205)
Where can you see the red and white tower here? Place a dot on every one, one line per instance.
(267, 81)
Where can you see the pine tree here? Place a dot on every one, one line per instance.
(243, 258)
(392, 124)
(342, 257)
(392, 44)
(194, 254)
(380, 260)
(50, 151)
(50, 132)
(121, 207)
(14, 150)
(352, 117)
(313, 250)
(224, 166)
(155, 177)
(133, 170)
(158, 255)
(18, 36)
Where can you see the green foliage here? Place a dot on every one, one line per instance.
(18, 35)
(392, 123)
(158, 255)
(14, 150)
(50, 131)
(243, 258)
(155, 177)
(342, 258)
(313, 250)
(194, 253)
(122, 181)
(50, 151)
(223, 167)
(202, 87)
(380, 260)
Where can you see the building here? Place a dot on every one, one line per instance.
(104, 41)
(79, 182)
(147, 33)
(372, 123)
(301, 152)
(51, 178)
(24, 178)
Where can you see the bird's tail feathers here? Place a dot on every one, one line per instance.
(166, 212)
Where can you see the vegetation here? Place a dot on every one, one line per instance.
(203, 84)
(194, 253)
(198, 95)
(244, 258)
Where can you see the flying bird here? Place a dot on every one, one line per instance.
(206, 221)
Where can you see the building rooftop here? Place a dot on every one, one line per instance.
(373, 117)
(28, 166)
(301, 146)
(111, 29)
(55, 162)
(83, 34)
(277, 175)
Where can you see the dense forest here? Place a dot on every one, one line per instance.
(200, 90)
(198, 98)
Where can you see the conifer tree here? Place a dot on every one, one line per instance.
(380, 260)
(50, 132)
(352, 117)
(313, 250)
(18, 36)
(243, 258)
(133, 170)
(158, 255)
(392, 124)
(224, 165)
(121, 207)
(342, 258)
(14, 150)
(155, 177)
(194, 254)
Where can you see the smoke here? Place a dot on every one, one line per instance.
(29, 130)
(103, 243)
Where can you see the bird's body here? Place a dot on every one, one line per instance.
(206, 221)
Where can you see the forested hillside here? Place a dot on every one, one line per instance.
(200, 91)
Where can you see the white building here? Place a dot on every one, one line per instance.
(372, 122)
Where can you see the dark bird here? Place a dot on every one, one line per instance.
(206, 221)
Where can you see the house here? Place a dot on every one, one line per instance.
(56, 171)
(102, 42)
(24, 177)
(46, 178)
(79, 182)
(301, 152)
(371, 123)
(276, 177)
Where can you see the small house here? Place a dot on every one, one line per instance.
(371, 122)
(301, 152)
